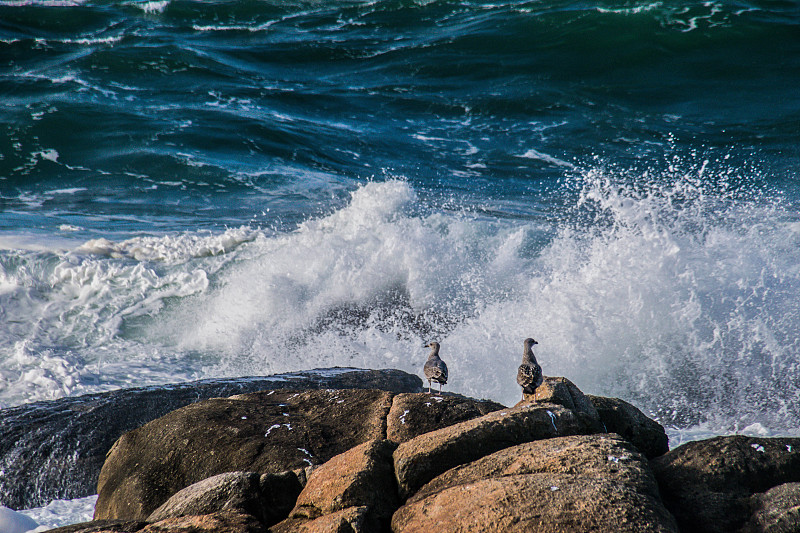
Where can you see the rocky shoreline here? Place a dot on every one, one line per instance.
(371, 460)
(54, 450)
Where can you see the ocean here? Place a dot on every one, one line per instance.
(228, 188)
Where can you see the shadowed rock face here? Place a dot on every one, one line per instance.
(268, 497)
(618, 416)
(55, 450)
(776, 510)
(714, 485)
(259, 432)
(414, 414)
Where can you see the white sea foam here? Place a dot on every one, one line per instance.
(14, 522)
(678, 299)
(61, 513)
(152, 7)
(535, 154)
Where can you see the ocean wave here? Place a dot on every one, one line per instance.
(677, 298)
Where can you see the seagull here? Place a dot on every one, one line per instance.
(529, 375)
(435, 369)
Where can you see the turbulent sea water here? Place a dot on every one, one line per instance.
(224, 188)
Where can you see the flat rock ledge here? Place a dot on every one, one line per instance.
(378, 461)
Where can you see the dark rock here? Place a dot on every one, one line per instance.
(360, 477)
(350, 520)
(708, 484)
(414, 414)
(776, 511)
(268, 497)
(263, 432)
(231, 491)
(424, 457)
(618, 416)
(279, 493)
(55, 449)
(103, 526)
(221, 522)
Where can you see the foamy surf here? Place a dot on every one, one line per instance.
(678, 299)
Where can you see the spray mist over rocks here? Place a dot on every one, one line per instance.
(666, 293)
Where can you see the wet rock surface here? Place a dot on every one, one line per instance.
(55, 449)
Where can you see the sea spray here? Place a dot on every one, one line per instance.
(671, 295)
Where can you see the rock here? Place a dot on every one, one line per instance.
(708, 484)
(268, 497)
(102, 526)
(279, 493)
(231, 491)
(618, 416)
(606, 456)
(221, 522)
(350, 520)
(534, 502)
(424, 457)
(576, 483)
(55, 449)
(414, 414)
(776, 511)
(360, 477)
(259, 432)
(561, 391)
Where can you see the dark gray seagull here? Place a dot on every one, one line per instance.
(529, 375)
(435, 369)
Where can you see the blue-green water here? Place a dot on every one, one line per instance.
(193, 189)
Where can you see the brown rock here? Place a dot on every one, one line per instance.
(618, 416)
(421, 459)
(350, 520)
(535, 502)
(259, 432)
(776, 511)
(606, 456)
(222, 522)
(708, 484)
(561, 391)
(414, 414)
(360, 477)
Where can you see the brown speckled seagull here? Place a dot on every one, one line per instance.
(435, 369)
(529, 374)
